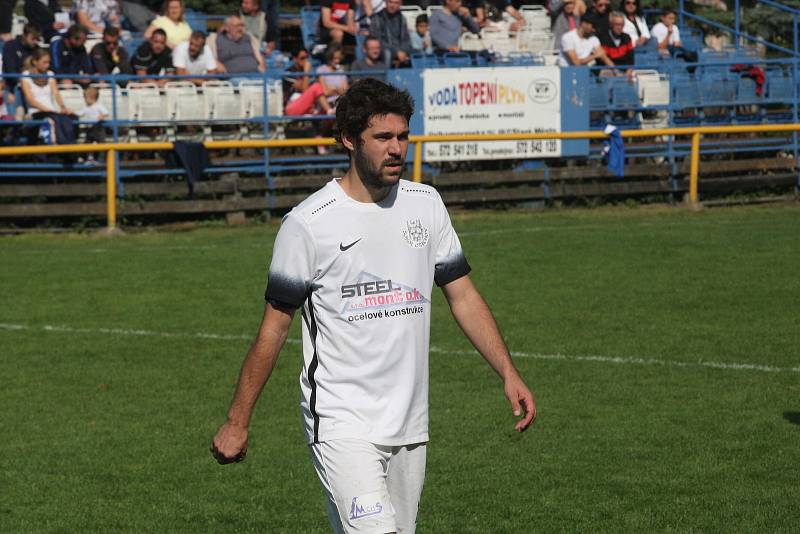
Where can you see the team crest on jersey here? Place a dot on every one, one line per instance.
(415, 234)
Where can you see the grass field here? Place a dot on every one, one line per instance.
(663, 347)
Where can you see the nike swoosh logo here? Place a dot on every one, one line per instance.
(343, 247)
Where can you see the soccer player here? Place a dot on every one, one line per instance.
(360, 257)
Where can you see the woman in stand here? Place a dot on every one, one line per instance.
(635, 25)
(172, 22)
(44, 100)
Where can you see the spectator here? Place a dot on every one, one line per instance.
(335, 83)
(6, 19)
(390, 28)
(581, 47)
(337, 21)
(172, 23)
(94, 15)
(616, 43)
(669, 37)
(108, 57)
(446, 26)
(139, 13)
(600, 12)
(42, 14)
(635, 25)
(374, 58)
(93, 113)
(44, 99)
(498, 11)
(255, 20)
(194, 57)
(368, 8)
(236, 50)
(15, 53)
(303, 96)
(153, 58)
(69, 55)
(566, 20)
(421, 39)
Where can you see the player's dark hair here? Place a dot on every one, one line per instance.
(365, 99)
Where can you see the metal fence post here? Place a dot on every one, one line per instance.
(111, 189)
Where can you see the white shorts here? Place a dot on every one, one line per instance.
(370, 488)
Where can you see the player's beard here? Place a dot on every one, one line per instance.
(376, 177)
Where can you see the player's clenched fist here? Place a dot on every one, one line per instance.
(230, 444)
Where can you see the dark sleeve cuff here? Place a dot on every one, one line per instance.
(451, 270)
(288, 292)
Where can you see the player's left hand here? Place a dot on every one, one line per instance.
(521, 400)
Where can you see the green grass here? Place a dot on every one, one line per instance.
(108, 431)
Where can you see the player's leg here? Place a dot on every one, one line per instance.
(353, 477)
(405, 478)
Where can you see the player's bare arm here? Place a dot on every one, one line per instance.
(230, 443)
(476, 320)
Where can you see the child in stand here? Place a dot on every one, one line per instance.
(421, 39)
(95, 113)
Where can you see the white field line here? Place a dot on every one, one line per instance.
(614, 360)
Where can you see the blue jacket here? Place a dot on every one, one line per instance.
(68, 60)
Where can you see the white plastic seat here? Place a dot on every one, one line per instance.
(410, 13)
(529, 40)
(251, 96)
(183, 102)
(536, 17)
(470, 42)
(72, 95)
(431, 9)
(220, 101)
(654, 87)
(145, 103)
(498, 42)
(550, 57)
(106, 98)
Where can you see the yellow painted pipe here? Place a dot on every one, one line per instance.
(417, 176)
(694, 167)
(111, 189)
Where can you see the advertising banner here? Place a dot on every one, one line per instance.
(492, 101)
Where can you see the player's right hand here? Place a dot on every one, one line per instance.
(230, 444)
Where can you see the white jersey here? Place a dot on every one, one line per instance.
(363, 274)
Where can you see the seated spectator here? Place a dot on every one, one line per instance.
(172, 23)
(108, 57)
(139, 13)
(669, 37)
(616, 43)
(635, 25)
(95, 15)
(334, 84)
(301, 96)
(581, 47)
(44, 99)
(498, 12)
(69, 55)
(446, 23)
(42, 14)
(236, 50)
(15, 52)
(373, 59)
(421, 39)
(390, 28)
(600, 11)
(153, 58)
(337, 21)
(194, 57)
(368, 8)
(566, 20)
(255, 20)
(94, 113)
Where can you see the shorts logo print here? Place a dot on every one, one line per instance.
(415, 234)
(360, 511)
